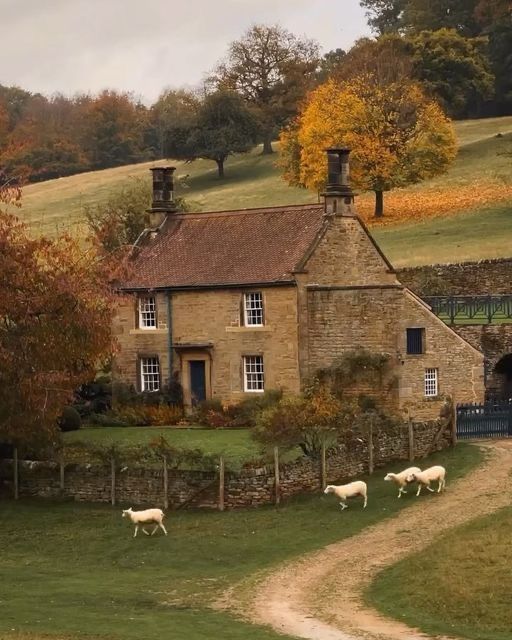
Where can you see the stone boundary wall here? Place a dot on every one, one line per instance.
(466, 278)
(137, 486)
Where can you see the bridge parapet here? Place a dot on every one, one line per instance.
(468, 310)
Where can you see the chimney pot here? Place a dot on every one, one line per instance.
(163, 195)
(338, 195)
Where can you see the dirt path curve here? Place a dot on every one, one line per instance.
(320, 596)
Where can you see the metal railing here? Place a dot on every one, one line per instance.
(472, 309)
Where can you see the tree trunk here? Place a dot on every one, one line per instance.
(220, 167)
(379, 204)
(267, 144)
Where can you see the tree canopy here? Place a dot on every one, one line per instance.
(271, 69)
(56, 306)
(397, 134)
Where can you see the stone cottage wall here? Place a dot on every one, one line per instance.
(248, 488)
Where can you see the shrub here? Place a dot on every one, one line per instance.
(70, 420)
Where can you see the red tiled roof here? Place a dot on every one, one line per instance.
(252, 246)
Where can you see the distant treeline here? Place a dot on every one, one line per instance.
(460, 51)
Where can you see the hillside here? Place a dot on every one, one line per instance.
(463, 215)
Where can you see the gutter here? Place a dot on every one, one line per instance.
(169, 335)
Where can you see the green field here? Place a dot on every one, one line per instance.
(236, 445)
(73, 569)
(252, 180)
(460, 585)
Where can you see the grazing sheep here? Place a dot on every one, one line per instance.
(349, 490)
(424, 478)
(400, 479)
(142, 518)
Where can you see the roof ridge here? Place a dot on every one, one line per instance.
(237, 212)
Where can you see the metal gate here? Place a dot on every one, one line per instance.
(488, 420)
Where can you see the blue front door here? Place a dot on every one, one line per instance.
(197, 381)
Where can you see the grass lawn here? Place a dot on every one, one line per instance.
(460, 585)
(236, 445)
(253, 180)
(476, 235)
(72, 569)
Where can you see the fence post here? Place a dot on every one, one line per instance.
(112, 481)
(454, 423)
(370, 447)
(323, 468)
(166, 484)
(276, 476)
(410, 429)
(15, 471)
(61, 473)
(221, 483)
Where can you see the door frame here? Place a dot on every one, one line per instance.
(186, 357)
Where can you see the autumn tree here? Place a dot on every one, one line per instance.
(271, 69)
(397, 135)
(309, 421)
(113, 130)
(55, 312)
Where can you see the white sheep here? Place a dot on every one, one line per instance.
(424, 478)
(350, 490)
(401, 479)
(148, 516)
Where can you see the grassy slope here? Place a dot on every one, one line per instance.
(253, 180)
(72, 569)
(459, 586)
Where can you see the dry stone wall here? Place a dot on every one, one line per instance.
(247, 488)
(465, 279)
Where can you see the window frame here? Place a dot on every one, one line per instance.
(246, 298)
(422, 338)
(142, 363)
(246, 373)
(431, 382)
(141, 313)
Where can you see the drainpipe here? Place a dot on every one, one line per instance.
(169, 335)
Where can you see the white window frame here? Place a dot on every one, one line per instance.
(253, 306)
(150, 374)
(254, 374)
(431, 383)
(147, 312)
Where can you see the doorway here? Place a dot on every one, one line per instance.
(197, 370)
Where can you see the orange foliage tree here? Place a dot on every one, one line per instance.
(56, 306)
(398, 136)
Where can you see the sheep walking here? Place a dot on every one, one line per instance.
(401, 479)
(143, 518)
(432, 474)
(350, 490)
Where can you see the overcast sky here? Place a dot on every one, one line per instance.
(146, 45)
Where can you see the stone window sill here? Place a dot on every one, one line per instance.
(147, 332)
(248, 329)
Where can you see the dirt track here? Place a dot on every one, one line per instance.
(320, 596)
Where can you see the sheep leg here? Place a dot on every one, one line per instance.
(441, 486)
(154, 530)
(365, 502)
(431, 490)
(400, 491)
(163, 528)
(343, 506)
(144, 529)
(419, 490)
(136, 529)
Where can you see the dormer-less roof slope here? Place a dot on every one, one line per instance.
(254, 246)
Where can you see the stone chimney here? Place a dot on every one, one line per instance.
(163, 195)
(338, 196)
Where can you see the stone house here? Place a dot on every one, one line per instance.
(232, 303)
